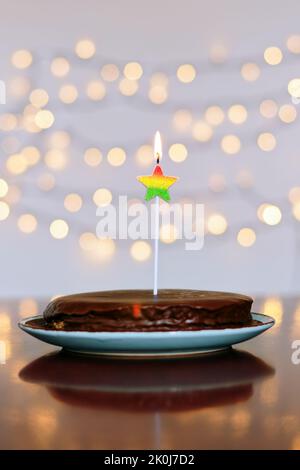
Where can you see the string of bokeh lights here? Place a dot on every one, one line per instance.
(46, 147)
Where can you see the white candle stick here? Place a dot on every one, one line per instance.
(156, 246)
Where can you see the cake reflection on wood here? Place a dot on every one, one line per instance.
(140, 310)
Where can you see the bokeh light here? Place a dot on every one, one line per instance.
(85, 49)
(268, 109)
(3, 187)
(110, 72)
(21, 59)
(56, 159)
(266, 141)
(217, 183)
(140, 250)
(158, 94)
(294, 194)
(214, 115)
(287, 113)
(133, 71)
(116, 156)
(216, 224)
(16, 164)
(293, 43)
(186, 73)
(102, 197)
(96, 90)
(93, 156)
(246, 237)
(273, 55)
(269, 214)
(4, 210)
(128, 87)
(68, 94)
(250, 72)
(73, 202)
(230, 144)
(31, 154)
(178, 153)
(202, 131)
(27, 223)
(294, 87)
(44, 119)
(46, 181)
(60, 67)
(144, 155)
(59, 140)
(182, 120)
(237, 114)
(168, 233)
(59, 229)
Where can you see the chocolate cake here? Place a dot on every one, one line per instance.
(140, 310)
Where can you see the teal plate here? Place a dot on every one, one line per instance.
(160, 343)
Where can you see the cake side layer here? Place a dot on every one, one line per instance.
(140, 311)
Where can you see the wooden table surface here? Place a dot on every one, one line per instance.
(244, 399)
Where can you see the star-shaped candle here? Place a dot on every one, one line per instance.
(157, 186)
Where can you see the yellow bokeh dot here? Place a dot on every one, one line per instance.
(85, 49)
(293, 43)
(110, 72)
(216, 224)
(287, 113)
(8, 122)
(202, 131)
(246, 237)
(250, 72)
(21, 59)
(46, 182)
(268, 109)
(168, 233)
(186, 73)
(140, 250)
(87, 241)
(144, 155)
(44, 119)
(271, 215)
(182, 120)
(73, 202)
(128, 87)
(273, 55)
(214, 115)
(28, 307)
(178, 152)
(103, 250)
(68, 94)
(4, 210)
(95, 90)
(16, 164)
(59, 229)
(60, 67)
(60, 140)
(14, 194)
(160, 79)
(56, 159)
(231, 144)
(31, 154)
(3, 187)
(93, 156)
(102, 197)
(39, 97)
(218, 53)
(27, 223)
(116, 156)
(237, 114)
(133, 71)
(296, 210)
(266, 141)
(19, 86)
(158, 94)
(294, 195)
(294, 87)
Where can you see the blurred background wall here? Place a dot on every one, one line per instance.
(218, 79)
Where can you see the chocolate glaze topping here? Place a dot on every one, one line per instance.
(139, 310)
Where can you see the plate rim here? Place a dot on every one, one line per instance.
(268, 321)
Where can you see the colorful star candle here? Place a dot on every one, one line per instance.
(157, 186)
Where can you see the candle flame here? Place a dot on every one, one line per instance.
(157, 147)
